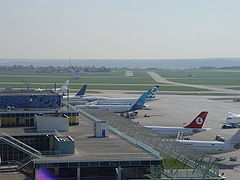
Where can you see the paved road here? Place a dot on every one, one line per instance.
(161, 79)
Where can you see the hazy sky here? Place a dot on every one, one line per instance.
(119, 28)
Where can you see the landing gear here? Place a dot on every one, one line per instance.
(131, 115)
(135, 113)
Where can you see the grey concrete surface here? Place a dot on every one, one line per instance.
(176, 110)
(88, 147)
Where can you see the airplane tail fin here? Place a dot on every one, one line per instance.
(235, 138)
(198, 121)
(153, 91)
(82, 91)
(65, 85)
(139, 104)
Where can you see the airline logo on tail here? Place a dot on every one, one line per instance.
(82, 90)
(198, 121)
(153, 91)
(140, 102)
(64, 86)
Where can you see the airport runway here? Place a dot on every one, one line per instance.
(161, 79)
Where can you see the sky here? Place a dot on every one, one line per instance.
(123, 29)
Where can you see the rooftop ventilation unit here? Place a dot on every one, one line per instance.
(101, 129)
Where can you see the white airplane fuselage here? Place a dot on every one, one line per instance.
(233, 119)
(210, 147)
(110, 108)
(72, 97)
(60, 90)
(57, 90)
(112, 101)
(173, 131)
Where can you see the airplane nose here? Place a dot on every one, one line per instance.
(236, 146)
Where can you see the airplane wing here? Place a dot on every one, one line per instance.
(232, 113)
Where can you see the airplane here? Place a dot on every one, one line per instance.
(215, 147)
(194, 127)
(80, 93)
(139, 104)
(232, 121)
(112, 101)
(62, 89)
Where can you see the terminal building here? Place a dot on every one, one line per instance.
(20, 118)
(35, 138)
(45, 140)
(29, 100)
(78, 153)
(18, 108)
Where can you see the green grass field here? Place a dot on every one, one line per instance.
(208, 81)
(112, 73)
(144, 88)
(170, 162)
(198, 74)
(235, 88)
(202, 77)
(82, 79)
(35, 74)
(116, 77)
(74, 88)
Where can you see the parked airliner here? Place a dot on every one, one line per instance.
(215, 147)
(194, 127)
(139, 104)
(112, 101)
(79, 95)
(233, 119)
(62, 89)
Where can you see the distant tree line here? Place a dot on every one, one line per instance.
(50, 69)
(220, 68)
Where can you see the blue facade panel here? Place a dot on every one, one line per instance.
(31, 101)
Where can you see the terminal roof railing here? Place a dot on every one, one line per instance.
(199, 162)
(20, 145)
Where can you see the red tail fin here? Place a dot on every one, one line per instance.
(198, 121)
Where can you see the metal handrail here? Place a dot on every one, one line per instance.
(161, 143)
(9, 139)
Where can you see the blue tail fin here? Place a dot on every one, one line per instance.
(82, 90)
(153, 91)
(139, 104)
